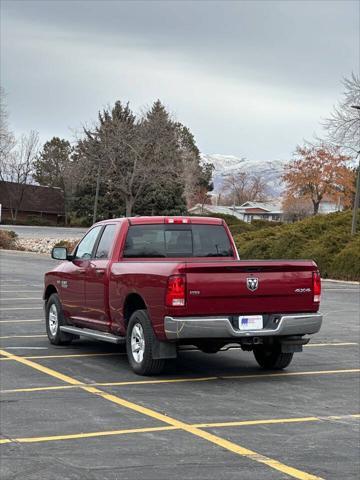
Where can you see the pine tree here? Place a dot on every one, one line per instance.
(54, 167)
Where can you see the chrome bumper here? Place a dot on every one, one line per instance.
(222, 327)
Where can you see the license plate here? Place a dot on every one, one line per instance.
(250, 322)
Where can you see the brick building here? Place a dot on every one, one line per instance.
(31, 203)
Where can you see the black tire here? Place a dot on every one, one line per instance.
(272, 358)
(55, 335)
(145, 365)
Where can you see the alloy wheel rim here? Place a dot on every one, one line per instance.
(53, 320)
(137, 343)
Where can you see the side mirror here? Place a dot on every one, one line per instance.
(59, 253)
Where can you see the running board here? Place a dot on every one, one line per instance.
(95, 334)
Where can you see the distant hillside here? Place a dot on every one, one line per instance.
(323, 238)
(271, 170)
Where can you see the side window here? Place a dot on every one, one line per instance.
(106, 242)
(85, 247)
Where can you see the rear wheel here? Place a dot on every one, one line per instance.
(54, 317)
(139, 341)
(272, 358)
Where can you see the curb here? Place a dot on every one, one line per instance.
(25, 251)
(349, 282)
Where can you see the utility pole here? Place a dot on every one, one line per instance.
(357, 192)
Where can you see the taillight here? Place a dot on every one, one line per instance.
(316, 286)
(176, 291)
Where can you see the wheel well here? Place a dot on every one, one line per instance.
(50, 289)
(132, 303)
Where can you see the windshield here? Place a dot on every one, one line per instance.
(177, 241)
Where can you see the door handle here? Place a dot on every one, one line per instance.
(99, 271)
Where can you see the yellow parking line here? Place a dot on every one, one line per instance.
(272, 421)
(294, 374)
(214, 439)
(74, 436)
(23, 336)
(340, 344)
(110, 384)
(70, 355)
(40, 389)
(175, 380)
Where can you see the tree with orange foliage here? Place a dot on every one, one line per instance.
(318, 171)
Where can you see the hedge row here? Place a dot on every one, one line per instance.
(323, 238)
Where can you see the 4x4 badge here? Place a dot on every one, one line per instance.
(252, 283)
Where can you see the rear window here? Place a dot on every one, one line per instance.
(154, 241)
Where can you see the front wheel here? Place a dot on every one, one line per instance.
(54, 317)
(139, 341)
(272, 358)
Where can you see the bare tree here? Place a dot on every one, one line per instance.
(240, 187)
(343, 125)
(296, 207)
(7, 139)
(18, 168)
(344, 130)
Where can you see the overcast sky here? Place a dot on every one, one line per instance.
(249, 78)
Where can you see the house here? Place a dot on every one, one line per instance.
(270, 211)
(22, 203)
(328, 205)
(247, 212)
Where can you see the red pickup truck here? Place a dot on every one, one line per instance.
(158, 283)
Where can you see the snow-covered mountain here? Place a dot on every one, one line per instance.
(270, 170)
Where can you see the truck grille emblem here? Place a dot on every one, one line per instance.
(252, 283)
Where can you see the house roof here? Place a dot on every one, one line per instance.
(267, 206)
(216, 209)
(264, 208)
(35, 198)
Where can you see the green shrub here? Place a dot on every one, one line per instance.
(346, 264)
(323, 238)
(80, 221)
(265, 224)
(37, 221)
(239, 228)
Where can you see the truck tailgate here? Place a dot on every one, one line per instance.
(283, 286)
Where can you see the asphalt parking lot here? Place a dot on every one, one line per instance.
(79, 412)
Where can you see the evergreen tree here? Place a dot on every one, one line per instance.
(54, 167)
(146, 166)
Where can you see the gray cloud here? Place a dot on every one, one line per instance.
(248, 77)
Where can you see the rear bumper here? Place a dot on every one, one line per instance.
(223, 327)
